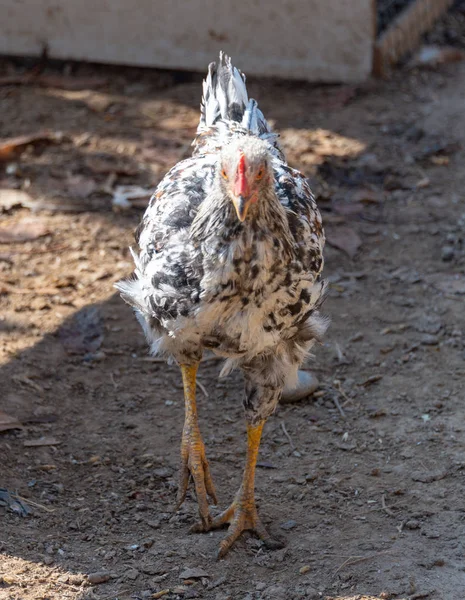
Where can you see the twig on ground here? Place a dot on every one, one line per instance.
(385, 508)
(338, 386)
(112, 378)
(339, 407)
(291, 443)
(203, 388)
(35, 504)
(354, 560)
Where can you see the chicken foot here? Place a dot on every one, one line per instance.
(242, 513)
(193, 459)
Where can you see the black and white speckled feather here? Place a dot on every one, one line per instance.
(249, 291)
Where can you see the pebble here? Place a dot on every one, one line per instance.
(288, 525)
(163, 472)
(98, 577)
(260, 586)
(412, 524)
(277, 591)
(428, 339)
(447, 253)
(131, 574)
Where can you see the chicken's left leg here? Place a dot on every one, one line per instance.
(193, 459)
(242, 514)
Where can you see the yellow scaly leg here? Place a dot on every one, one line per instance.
(242, 514)
(193, 459)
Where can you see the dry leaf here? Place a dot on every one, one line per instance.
(25, 231)
(372, 379)
(440, 161)
(10, 147)
(44, 441)
(10, 198)
(368, 196)
(345, 239)
(7, 422)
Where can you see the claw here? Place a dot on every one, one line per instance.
(241, 517)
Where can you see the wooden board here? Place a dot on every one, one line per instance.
(300, 39)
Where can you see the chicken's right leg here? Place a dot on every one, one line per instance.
(193, 459)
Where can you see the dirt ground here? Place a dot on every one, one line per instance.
(364, 481)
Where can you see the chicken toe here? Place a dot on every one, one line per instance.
(242, 516)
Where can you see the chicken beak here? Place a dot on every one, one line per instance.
(241, 205)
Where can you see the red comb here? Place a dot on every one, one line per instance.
(241, 187)
(241, 165)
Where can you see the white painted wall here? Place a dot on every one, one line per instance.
(318, 40)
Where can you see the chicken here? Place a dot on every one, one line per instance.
(230, 259)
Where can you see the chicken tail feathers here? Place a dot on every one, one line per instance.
(225, 102)
(224, 93)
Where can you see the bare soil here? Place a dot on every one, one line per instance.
(364, 481)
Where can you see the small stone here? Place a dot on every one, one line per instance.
(163, 473)
(153, 524)
(288, 525)
(131, 574)
(277, 592)
(447, 253)
(75, 579)
(194, 573)
(260, 586)
(98, 577)
(412, 524)
(306, 385)
(428, 339)
(304, 569)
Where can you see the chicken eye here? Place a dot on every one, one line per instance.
(224, 175)
(260, 173)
